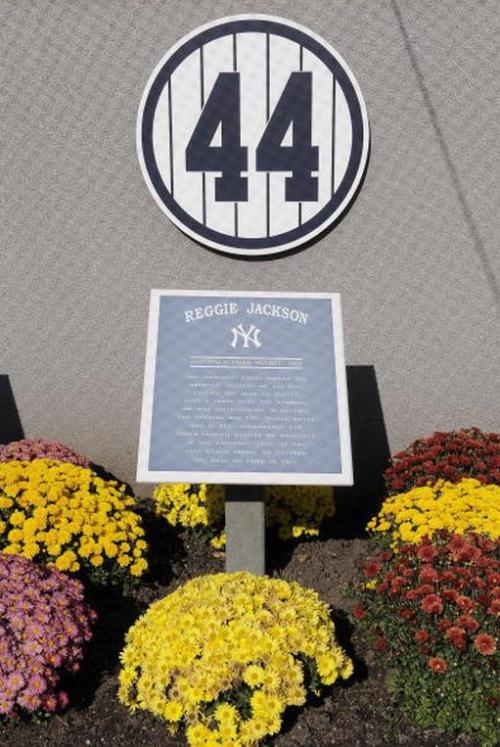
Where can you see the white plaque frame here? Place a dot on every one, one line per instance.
(145, 475)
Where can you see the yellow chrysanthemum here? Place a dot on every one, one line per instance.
(467, 506)
(172, 711)
(209, 639)
(295, 511)
(253, 675)
(68, 516)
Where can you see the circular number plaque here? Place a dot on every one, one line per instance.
(252, 134)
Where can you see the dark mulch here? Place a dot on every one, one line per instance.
(358, 713)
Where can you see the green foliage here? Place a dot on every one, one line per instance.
(454, 704)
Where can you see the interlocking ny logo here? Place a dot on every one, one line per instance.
(247, 335)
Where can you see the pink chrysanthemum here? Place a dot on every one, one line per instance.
(38, 448)
(44, 623)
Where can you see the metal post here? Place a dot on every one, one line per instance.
(245, 529)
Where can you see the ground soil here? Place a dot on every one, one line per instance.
(354, 714)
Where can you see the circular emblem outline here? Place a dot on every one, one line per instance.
(277, 243)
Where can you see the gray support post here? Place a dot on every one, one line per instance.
(245, 529)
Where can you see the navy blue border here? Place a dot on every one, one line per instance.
(358, 134)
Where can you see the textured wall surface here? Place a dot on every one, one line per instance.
(82, 241)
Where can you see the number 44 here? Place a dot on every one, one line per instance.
(231, 158)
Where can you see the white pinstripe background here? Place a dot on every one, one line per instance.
(266, 212)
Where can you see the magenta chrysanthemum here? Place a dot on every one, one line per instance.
(38, 448)
(44, 623)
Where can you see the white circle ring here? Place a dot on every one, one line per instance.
(168, 113)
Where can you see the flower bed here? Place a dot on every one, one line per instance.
(431, 611)
(224, 658)
(225, 655)
(467, 452)
(44, 623)
(67, 516)
(292, 511)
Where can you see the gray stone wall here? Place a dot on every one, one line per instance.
(82, 241)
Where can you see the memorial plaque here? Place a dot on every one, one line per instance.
(245, 388)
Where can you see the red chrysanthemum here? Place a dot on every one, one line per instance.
(358, 612)
(444, 624)
(484, 599)
(432, 604)
(457, 637)
(385, 555)
(494, 607)
(485, 644)
(470, 554)
(478, 583)
(467, 452)
(468, 622)
(449, 577)
(486, 545)
(422, 636)
(371, 568)
(428, 553)
(437, 664)
(398, 581)
(465, 603)
(428, 575)
(406, 613)
(456, 545)
(425, 589)
(450, 595)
